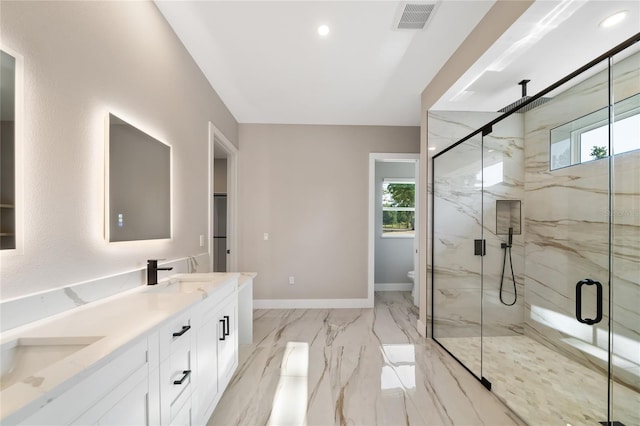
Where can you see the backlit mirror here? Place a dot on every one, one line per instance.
(7, 151)
(138, 186)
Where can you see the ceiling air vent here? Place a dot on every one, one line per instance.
(415, 16)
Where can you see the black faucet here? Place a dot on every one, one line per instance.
(152, 271)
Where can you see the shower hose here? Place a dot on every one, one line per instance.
(507, 248)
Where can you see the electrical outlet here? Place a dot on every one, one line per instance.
(201, 240)
(266, 236)
(292, 280)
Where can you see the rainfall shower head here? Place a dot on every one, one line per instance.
(523, 99)
(529, 107)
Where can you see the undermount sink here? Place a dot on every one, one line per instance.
(174, 287)
(22, 358)
(188, 283)
(199, 276)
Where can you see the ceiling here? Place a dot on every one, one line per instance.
(269, 65)
(530, 51)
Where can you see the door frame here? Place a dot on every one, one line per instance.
(391, 157)
(218, 139)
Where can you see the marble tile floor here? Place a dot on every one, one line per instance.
(352, 367)
(543, 386)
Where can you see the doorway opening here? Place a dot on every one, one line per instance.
(223, 166)
(393, 223)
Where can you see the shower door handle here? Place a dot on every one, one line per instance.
(579, 285)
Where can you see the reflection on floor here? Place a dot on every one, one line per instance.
(543, 386)
(353, 367)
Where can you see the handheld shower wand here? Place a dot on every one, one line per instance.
(507, 248)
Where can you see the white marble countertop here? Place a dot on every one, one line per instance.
(117, 321)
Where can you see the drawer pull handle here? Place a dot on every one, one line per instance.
(185, 328)
(226, 321)
(223, 330)
(185, 374)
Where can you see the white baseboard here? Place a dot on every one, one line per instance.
(312, 303)
(393, 287)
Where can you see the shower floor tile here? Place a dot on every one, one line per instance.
(543, 386)
(364, 367)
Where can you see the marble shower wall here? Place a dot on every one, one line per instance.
(567, 229)
(466, 210)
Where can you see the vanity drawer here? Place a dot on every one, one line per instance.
(176, 378)
(174, 333)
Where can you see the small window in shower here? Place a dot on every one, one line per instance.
(587, 138)
(398, 208)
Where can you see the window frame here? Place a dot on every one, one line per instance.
(575, 135)
(397, 209)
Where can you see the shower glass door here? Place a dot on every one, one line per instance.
(625, 239)
(457, 270)
(560, 363)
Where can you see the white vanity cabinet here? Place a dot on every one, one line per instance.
(171, 373)
(217, 350)
(123, 392)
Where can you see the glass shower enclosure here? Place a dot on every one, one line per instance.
(536, 248)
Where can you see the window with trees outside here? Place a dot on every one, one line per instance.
(587, 138)
(398, 208)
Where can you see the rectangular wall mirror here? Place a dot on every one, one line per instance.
(138, 185)
(7, 151)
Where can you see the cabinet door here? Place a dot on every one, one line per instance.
(132, 409)
(207, 359)
(183, 418)
(227, 343)
(133, 402)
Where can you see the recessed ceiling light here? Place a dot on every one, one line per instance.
(432, 148)
(323, 30)
(614, 19)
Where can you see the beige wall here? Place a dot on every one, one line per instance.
(83, 60)
(307, 186)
